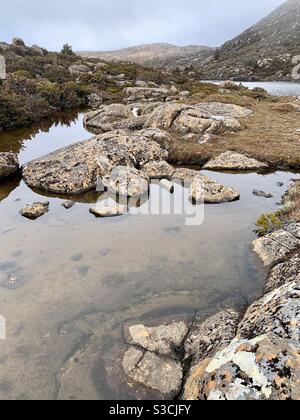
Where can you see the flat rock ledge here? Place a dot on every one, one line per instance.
(205, 190)
(235, 162)
(227, 356)
(9, 164)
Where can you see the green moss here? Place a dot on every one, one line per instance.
(267, 223)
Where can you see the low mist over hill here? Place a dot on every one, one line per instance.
(156, 55)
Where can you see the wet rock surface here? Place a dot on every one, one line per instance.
(279, 244)
(234, 161)
(35, 210)
(9, 164)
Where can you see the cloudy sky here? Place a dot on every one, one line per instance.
(112, 24)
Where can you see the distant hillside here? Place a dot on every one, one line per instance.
(156, 55)
(264, 51)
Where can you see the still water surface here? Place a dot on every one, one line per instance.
(78, 279)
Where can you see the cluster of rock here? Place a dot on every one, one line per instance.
(192, 122)
(224, 357)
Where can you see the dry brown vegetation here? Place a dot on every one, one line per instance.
(268, 135)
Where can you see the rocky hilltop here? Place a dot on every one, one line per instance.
(264, 51)
(158, 55)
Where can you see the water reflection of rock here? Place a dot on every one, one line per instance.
(13, 141)
(8, 186)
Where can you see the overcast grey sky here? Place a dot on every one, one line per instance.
(113, 24)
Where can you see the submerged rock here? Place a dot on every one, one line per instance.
(264, 368)
(234, 161)
(279, 244)
(76, 168)
(262, 194)
(68, 204)
(35, 210)
(9, 164)
(204, 189)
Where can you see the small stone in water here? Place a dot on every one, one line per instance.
(262, 194)
(76, 257)
(68, 204)
(280, 184)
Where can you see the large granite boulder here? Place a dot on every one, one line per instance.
(279, 244)
(9, 164)
(76, 168)
(234, 161)
(204, 189)
(264, 368)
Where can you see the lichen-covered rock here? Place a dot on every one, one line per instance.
(234, 161)
(159, 170)
(204, 189)
(9, 164)
(163, 339)
(277, 245)
(35, 210)
(76, 168)
(127, 182)
(265, 368)
(283, 273)
(277, 312)
(225, 110)
(135, 94)
(207, 336)
(184, 174)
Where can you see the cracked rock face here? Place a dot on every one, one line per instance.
(284, 273)
(265, 368)
(234, 161)
(76, 168)
(164, 339)
(9, 164)
(207, 336)
(161, 375)
(211, 192)
(277, 312)
(279, 244)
